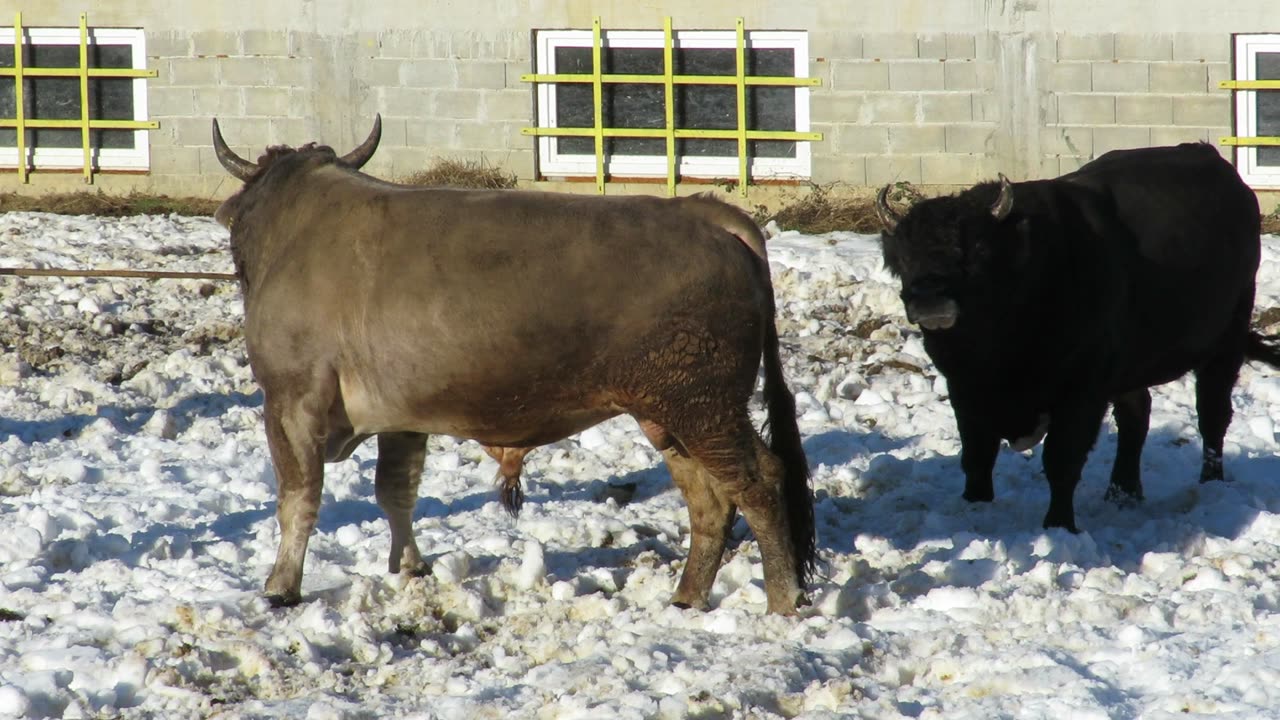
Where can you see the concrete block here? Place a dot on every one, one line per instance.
(883, 170)
(891, 46)
(859, 75)
(456, 104)
(1209, 111)
(829, 169)
(396, 44)
(1217, 73)
(508, 105)
(1086, 109)
(168, 44)
(914, 76)
(520, 162)
(215, 43)
(165, 101)
(1069, 77)
(1178, 135)
(1050, 167)
(890, 108)
(242, 71)
(1144, 110)
(273, 43)
(961, 46)
(190, 72)
(838, 44)
(932, 47)
(430, 73)
(1067, 140)
(175, 160)
(1086, 47)
(1202, 47)
(298, 130)
(971, 139)
(987, 107)
(219, 102)
(1106, 139)
(380, 72)
(292, 72)
(968, 75)
(268, 101)
(406, 102)
(487, 135)
(1070, 164)
(859, 139)
(407, 161)
(1120, 77)
(838, 107)
(946, 107)
(1149, 47)
(956, 169)
(1180, 77)
(482, 75)
(916, 140)
(431, 133)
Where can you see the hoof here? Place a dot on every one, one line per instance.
(1122, 498)
(277, 600)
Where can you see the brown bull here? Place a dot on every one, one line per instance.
(515, 319)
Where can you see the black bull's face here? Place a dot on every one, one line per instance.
(940, 249)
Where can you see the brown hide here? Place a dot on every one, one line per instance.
(515, 319)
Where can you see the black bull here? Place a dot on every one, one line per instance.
(1043, 302)
(516, 319)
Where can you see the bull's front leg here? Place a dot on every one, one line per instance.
(979, 445)
(1073, 432)
(294, 433)
(399, 470)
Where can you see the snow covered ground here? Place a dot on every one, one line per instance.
(137, 528)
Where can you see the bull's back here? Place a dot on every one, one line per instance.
(1181, 230)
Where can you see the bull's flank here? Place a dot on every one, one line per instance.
(515, 319)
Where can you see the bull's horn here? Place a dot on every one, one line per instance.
(239, 168)
(1004, 203)
(889, 217)
(358, 157)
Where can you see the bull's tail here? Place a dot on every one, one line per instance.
(783, 436)
(1263, 348)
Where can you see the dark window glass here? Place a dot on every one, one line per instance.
(59, 98)
(1268, 68)
(701, 107)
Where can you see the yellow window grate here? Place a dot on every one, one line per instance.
(1235, 85)
(669, 80)
(19, 71)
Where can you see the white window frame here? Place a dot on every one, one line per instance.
(1247, 49)
(136, 158)
(554, 163)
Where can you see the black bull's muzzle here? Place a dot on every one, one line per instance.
(929, 307)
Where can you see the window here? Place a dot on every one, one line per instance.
(52, 116)
(704, 117)
(1258, 109)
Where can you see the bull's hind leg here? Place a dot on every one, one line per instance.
(747, 473)
(295, 433)
(1132, 412)
(710, 520)
(400, 459)
(1214, 383)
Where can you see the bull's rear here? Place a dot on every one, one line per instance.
(516, 319)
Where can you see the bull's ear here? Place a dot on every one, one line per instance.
(1004, 201)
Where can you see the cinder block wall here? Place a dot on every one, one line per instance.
(936, 92)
